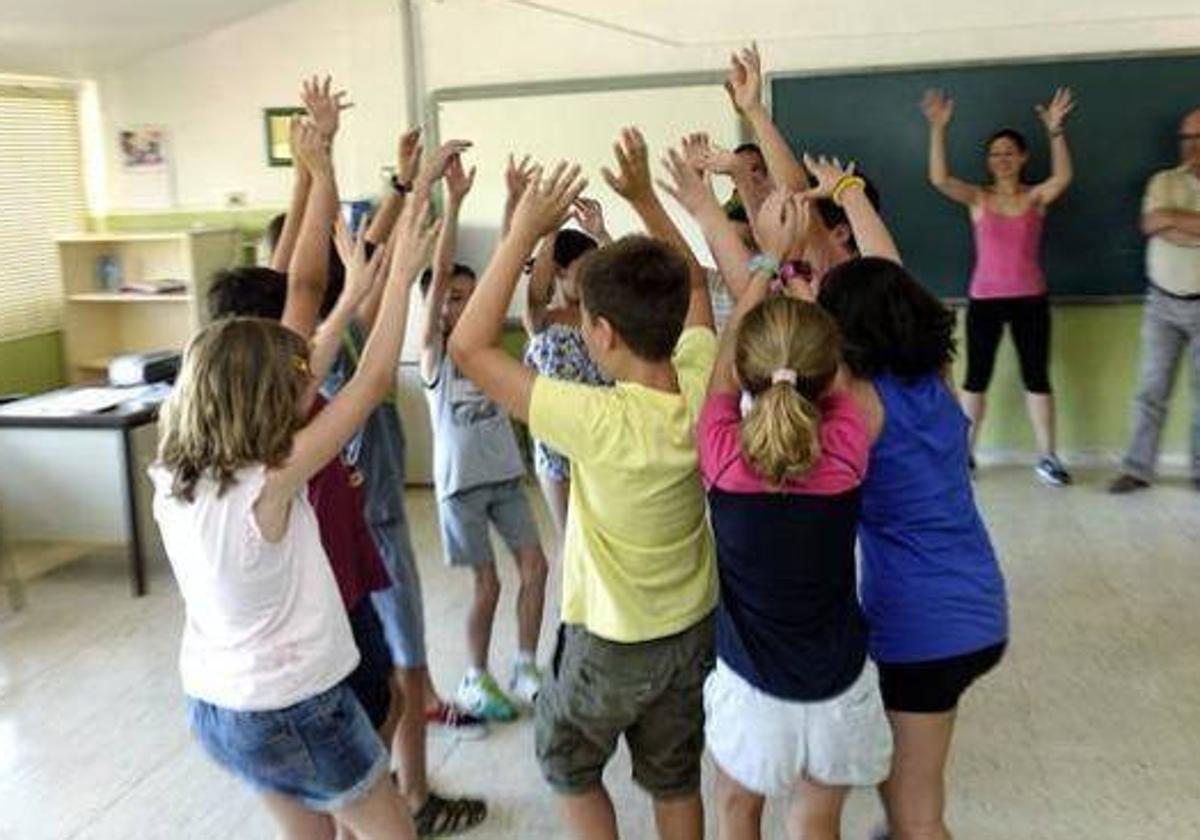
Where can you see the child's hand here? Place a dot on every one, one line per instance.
(632, 181)
(547, 200)
(435, 165)
(937, 108)
(589, 213)
(779, 223)
(516, 178)
(408, 157)
(361, 274)
(697, 151)
(744, 81)
(690, 187)
(324, 108)
(311, 147)
(458, 181)
(828, 172)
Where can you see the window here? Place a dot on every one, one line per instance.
(41, 196)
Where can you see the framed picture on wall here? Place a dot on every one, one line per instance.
(277, 123)
(143, 148)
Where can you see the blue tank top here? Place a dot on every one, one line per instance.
(930, 584)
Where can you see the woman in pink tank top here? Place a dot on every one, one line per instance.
(1007, 284)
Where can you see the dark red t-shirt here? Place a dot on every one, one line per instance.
(336, 494)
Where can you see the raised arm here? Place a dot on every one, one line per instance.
(540, 290)
(309, 266)
(458, 184)
(844, 188)
(589, 214)
(408, 160)
(281, 256)
(744, 86)
(475, 343)
(694, 193)
(781, 220)
(1054, 117)
(325, 436)
(633, 183)
(939, 110)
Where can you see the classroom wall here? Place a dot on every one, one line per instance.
(210, 92)
(31, 365)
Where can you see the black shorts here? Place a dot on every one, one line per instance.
(1029, 320)
(936, 685)
(371, 681)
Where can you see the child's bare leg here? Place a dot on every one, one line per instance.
(531, 598)
(816, 811)
(295, 822)
(739, 811)
(590, 815)
(483, 614)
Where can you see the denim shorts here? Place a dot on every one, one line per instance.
(399, 607)
(321, 752)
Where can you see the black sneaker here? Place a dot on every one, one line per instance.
(1126, 483)
(1051, 471)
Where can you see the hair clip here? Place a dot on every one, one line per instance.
(300, 363)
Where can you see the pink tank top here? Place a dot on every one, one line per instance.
(1006, 255)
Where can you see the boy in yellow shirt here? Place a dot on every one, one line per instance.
(639, 582)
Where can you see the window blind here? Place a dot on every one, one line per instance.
(41, 196)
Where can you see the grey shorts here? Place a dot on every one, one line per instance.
(466, 516)
(650, 692)
(399, 606)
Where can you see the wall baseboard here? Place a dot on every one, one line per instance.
(1169, 463)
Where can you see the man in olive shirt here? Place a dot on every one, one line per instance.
(1171, 325)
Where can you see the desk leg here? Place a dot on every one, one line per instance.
(137, 549)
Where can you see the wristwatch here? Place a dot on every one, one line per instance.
(399, 186)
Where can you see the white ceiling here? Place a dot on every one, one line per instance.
(73, 38)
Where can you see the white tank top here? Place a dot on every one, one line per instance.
(265, 626)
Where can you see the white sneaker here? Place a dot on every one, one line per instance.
(525, 683)
(480, 696)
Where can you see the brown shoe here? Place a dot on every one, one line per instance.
(1126, 483)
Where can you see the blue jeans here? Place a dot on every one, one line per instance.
(321, 752)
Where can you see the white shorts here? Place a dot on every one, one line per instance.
(765, 744)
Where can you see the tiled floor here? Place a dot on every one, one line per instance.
(1089, 729)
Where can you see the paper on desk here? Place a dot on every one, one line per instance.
(85, 400)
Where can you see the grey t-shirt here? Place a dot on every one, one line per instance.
(473, 440)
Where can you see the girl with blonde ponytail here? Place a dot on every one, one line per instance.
(793, 706)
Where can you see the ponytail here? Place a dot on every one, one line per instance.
(780, 434)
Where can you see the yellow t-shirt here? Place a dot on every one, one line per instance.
(639, 560)
(1174, 268)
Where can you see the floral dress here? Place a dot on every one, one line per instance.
(560, 353)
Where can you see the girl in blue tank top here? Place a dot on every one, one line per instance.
(931, 588)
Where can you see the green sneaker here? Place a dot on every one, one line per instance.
(480, 696)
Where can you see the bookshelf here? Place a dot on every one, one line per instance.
(100, 323)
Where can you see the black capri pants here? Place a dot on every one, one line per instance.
(1029, 320)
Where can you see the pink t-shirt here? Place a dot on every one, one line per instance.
(1007, 255)
(845, 446)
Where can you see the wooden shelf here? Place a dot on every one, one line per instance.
(130, 297)
(148, 236)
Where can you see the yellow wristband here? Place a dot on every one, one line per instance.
(845, 183)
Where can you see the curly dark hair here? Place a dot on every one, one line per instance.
(889, 322)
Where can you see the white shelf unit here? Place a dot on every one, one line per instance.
(99, 324)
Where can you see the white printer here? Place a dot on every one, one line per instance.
(144, 368)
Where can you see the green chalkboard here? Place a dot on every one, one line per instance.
(1122, 131)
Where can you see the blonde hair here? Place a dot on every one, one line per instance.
(779, 340)
(236, 402)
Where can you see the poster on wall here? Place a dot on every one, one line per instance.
(143, 148)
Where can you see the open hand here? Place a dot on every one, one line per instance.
(361, 273)
(458, 181)
(780, 222)
(589, 213)
(434, 167)
(632, 179)
(828, 172)
(689, 186)
(744, 81)
(324, 108)
(547, 200)
(1055, 114)
(516, 177)
(937, 108)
